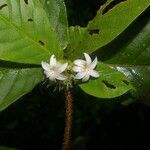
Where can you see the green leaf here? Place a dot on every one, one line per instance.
(76, 35)
(106, 26)
(130, 54)
(25, 32)
(14, 83)
(56, 11)
(110, 84)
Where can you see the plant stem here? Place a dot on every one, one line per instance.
(69, 111)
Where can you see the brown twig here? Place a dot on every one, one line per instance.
(69, 111)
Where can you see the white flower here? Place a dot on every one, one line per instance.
(54, 70)
(85, 68)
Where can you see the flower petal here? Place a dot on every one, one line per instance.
(62, 68)
(61, 77)
(45, 66)
(47, 73)
(53, 61)
(94, 73)
(51, 75)
(80, 75)
(85, 78)
(94, 63)
(52, 78)
(79, 62)
(88, 58)
(77, 69)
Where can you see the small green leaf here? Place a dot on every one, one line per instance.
(110, 84)
(25, 32)
(76, 35)
(14, 83)
(106, 26)
(56, 12)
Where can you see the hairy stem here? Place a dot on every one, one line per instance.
(69, 111)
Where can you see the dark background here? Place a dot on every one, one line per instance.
(36, 121)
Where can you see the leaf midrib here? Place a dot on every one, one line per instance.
(15, 28)
(127, 65)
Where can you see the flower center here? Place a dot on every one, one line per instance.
(87, 68)
(52, 71)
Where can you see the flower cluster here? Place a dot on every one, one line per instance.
(83, 69)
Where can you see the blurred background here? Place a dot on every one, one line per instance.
(36, 121)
